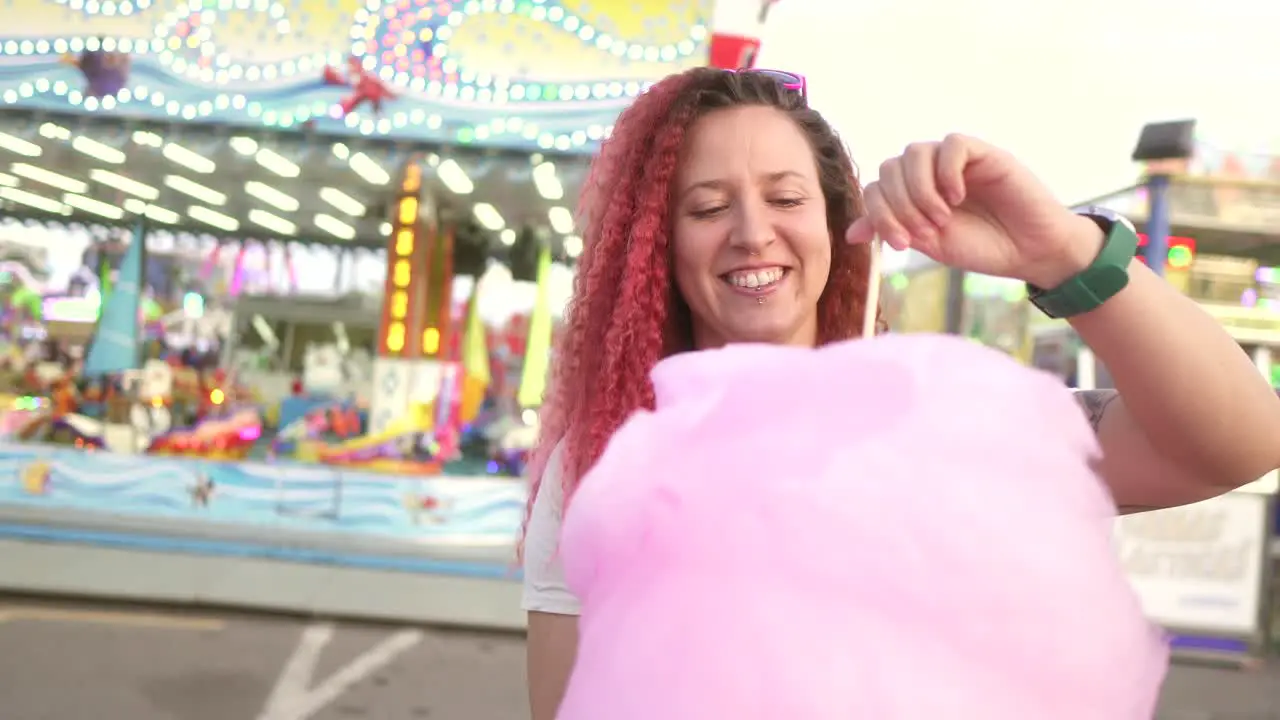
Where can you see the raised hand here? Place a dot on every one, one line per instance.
(973, 206)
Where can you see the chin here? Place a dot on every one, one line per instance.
(769, 333)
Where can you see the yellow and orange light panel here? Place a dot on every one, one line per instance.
(419, 281)
(404, 260)
(439, 294)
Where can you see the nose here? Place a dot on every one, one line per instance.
(753, 231)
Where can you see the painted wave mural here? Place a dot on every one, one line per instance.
(442, 510)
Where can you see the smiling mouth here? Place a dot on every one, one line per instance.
(758, 281)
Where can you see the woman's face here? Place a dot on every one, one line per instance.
(752, 251)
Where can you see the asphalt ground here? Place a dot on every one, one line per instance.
(84, 662)
(65, 661)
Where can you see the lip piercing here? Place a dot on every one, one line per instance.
(759, 301)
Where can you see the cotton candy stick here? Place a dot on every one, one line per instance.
(872, 303)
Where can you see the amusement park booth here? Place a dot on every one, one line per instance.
(1205, 571)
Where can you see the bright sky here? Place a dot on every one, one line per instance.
(1065, 85)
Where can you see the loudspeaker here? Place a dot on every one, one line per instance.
(470, 249)
(1166, 141)
(523, 256)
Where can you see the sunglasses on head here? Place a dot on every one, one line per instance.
(788, 80)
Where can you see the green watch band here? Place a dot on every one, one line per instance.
(1107, 275)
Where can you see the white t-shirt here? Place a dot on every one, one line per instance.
(544, 586)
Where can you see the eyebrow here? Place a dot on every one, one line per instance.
(767, 179)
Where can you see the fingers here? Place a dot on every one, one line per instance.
(902, 205)
(862, 231)
(879, 220)
(953, 155)
(911, 202)
(919, 169)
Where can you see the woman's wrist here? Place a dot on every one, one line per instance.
(1082, 240)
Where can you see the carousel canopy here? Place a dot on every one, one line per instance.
(266, 184)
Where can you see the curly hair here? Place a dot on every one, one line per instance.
(626, 313)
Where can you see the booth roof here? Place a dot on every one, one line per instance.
(1225, 216)
(68, 169)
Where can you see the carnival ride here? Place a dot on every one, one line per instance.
(406, 446)
(136, 410)
(335, 420)
(508, 445)
(204, 413)
(76, 431)
(160, 397)
(146, 429)
(230, 438)
(344, 190)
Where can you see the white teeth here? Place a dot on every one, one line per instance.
(755, 279)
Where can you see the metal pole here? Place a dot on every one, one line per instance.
(1156, 252)
(337, 270)
(135, 391)
(1262, 359)
(955, 301)
(1267, 607)
(1086, 368)
(286, 348)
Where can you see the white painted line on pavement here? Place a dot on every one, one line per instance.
(295, 678)
(353, 673)
(293, 698)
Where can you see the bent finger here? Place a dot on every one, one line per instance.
(919, 164)
(882, 221)
(893, 186)
(953, 156)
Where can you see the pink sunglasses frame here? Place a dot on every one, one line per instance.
(785, 78)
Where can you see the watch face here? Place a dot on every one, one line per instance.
(1111, 216)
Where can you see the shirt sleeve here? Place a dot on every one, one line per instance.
(544, 585)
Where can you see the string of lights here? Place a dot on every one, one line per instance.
(497, 128)
(107, 7)
(406, 43)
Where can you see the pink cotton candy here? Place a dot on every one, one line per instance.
(901, 528)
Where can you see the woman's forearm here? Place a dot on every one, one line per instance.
(1195, 394)
(552, 649)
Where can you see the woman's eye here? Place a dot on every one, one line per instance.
(703, 213)
(787, 202)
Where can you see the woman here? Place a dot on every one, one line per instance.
(724, 210)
